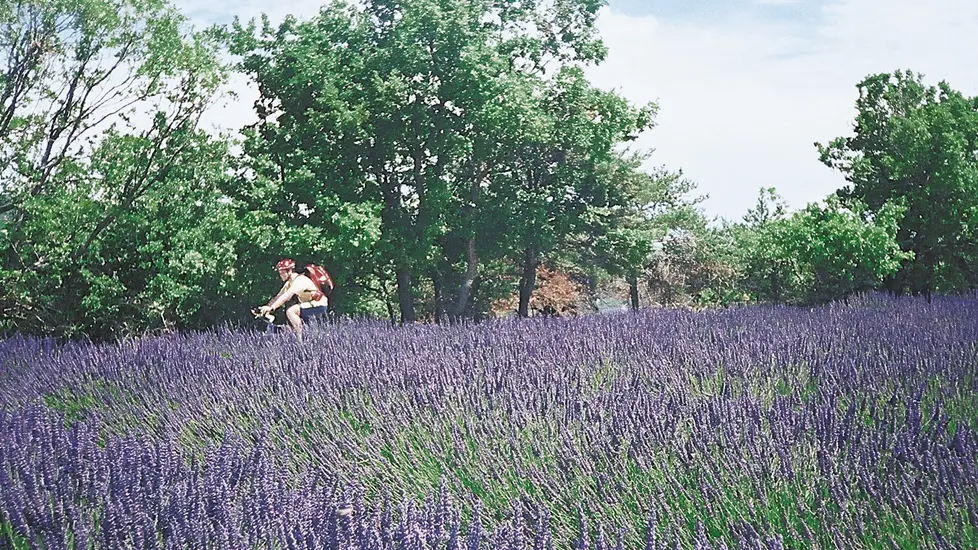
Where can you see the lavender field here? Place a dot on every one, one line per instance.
(848, 426)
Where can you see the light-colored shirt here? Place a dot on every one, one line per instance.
(304, 289)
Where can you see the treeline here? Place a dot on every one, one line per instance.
(438, 156)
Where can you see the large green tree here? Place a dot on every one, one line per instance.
(362, 110)
(557, 177)
(917, 144)
(429, 115)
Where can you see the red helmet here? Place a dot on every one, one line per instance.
(285, 265)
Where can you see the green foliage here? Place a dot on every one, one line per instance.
(917, 144)
(825, 252)
(432, 154)
(446, 115)
(846, 250)
(368, 112)
(99, 142)
(625, 240)
(765, 246)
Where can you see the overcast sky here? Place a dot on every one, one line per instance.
(745, 87)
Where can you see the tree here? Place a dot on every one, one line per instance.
(917, 144)
(368, 107)
(556, 178)
(626, 238)
(516, 137)
(768, 262)
(825, 252)
(98, 111)
(845, 250)
(433, 113)
(169, 260)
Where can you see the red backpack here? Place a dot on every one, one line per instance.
(320, 277)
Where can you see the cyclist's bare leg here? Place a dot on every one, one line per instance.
(295, 319)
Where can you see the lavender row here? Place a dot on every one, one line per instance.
(846, 425)
(167, 382)
(63, 488)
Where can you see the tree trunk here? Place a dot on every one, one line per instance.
(438, 283)
(471, 254)
(528, 281)
(592, 292)
(387, 300)
(405, 294)
(471, 271)
(398, 231)
(633, 289)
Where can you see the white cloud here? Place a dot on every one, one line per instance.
(743, 101)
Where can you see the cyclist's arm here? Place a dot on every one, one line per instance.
(284, 295)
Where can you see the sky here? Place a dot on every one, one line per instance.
(744, 87)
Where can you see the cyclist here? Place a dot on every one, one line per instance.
(312, 302)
